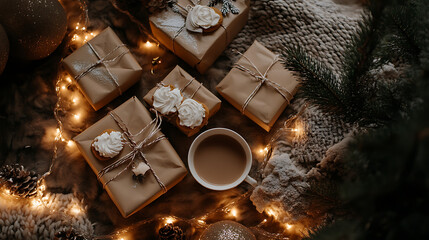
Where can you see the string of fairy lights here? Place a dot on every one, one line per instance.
(67, 106)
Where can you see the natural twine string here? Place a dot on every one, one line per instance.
(137, 147)
(104, 60)
(262, 78)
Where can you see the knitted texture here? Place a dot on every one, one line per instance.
(323, 29)
(29, 219)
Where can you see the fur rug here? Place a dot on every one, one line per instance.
(27, 100)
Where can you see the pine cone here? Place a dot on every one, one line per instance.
(170, 232)
(68, 235)
(19, 181)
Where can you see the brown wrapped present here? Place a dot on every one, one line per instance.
(190, 88)
(199, 50)
(103, 68)
(259, 86)
(144, 144)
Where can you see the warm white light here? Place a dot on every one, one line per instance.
(77, 27)
(70, 143)
(63, 87)
(169, 220)
(7, 191)
(148, 44)
(201, 221)
(76, 116)
(263, 150)
(265, 220)
(75, 100)
(83, 28)
(75, 210)
(36, 203)
(68, 79)
(289, 226)
(234, 212)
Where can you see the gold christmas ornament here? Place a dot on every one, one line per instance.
(227, 230)
(35, 27)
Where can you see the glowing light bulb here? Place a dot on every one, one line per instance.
(68, 79)
(148, 44)
(201, 221)
(169, 220)
(63, 87)
(58, 131)
(7, 191)
(77, 27)
(234, 212)
(70, 143)
(75, 100)
(264, 221)
(84, 28)
(263, 151)
(76, 116)
(289, 226)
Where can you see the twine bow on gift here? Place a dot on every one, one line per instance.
(136, 147)
(104, 60)
(262, 78)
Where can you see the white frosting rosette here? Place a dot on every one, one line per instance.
(167, 100)
(108, 144)
(191, 113)
(201, 17)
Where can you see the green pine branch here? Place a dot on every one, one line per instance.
(319, 85)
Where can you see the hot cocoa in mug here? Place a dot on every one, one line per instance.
(220, 159)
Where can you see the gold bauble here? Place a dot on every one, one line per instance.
(35, 28)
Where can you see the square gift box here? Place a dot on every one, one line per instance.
(166, 167)
(190, 88)
(103, 68)
(199, 50)
(259, 86)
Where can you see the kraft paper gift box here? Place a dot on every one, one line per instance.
(199, 50)
(103, 68)
(129, 194)
(259, 86)
(190, 87)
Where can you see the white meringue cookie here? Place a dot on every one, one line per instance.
(109, 144)
(191, 113)
(201, 17)
(166, 101)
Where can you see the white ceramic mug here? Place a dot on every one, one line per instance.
(221, 131)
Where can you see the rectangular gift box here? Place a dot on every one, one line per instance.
(265, 104)
(128, 194)
(179, 78)
(103, 68)
(197, 49)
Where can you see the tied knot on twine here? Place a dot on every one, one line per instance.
(262, 79)
(137, 147)
(104, 61)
